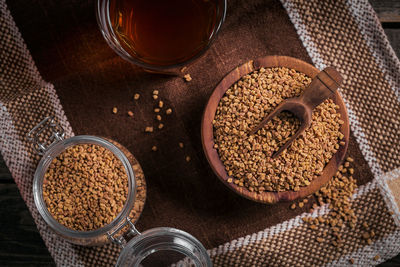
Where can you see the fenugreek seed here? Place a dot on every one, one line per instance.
(184, 69)
(390, 212)
(187, 77)
(372, 233)
(158, 117)
(320, 240)
(230, 180)
(305, 200)
(377, 257)
(301, 204)
(365, 225)
(187, 158)
(160, 104)
(155, 97)
(336, 146)
(168, 111)
(79, 163)
(313, 227)
(365, 235)
(369, 241)
(336, 194)
(342, 143)
(245, 104)
(130, 113)
(160, 126)
(346, 164)
(155, 92)
(136, 96)
(148, 129)
(156, 110)
(154, 148)
(114, 110)
(350, 159)
(293, 206)
(351, 171)
(180, 144)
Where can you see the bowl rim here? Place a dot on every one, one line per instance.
(207, 131)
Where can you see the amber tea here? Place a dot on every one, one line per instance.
(163, 32)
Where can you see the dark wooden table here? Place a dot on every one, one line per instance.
(20, 242)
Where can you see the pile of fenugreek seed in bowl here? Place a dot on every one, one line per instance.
(85, 187)
(247, 158)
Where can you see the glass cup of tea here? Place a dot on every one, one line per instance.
(160, 35)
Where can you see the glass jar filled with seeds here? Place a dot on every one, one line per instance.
(91, 191)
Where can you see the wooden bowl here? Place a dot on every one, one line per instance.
(207, 132)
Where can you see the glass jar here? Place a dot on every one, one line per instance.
(177, 248)
(104, 21)
(137, 247)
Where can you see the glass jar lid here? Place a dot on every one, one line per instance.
(163, 246)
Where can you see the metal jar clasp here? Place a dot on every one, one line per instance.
(121, 239)
(40, 142)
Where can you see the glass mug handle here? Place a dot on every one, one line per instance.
(57, 134)
(121, 240)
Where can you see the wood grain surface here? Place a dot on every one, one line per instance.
(388, 10)
(389, 14)
(20, 242)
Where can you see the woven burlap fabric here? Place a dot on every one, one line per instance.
(348, 35)
(345, 34)
(351, 31)
(292, 243)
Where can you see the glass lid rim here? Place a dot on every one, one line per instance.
(39, 177)
(159, 232)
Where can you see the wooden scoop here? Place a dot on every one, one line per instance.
(322, 87)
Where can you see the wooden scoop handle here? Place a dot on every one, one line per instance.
(322, 87)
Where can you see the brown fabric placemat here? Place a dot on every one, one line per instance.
(91, 79)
